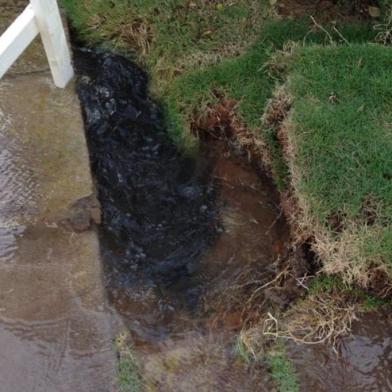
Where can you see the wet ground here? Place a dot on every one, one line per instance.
(179, 235)
(55, 331)
(363, 362)
(187, 240)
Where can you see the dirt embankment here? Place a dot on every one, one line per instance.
(221, 126)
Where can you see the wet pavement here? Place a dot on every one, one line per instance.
(55, 330)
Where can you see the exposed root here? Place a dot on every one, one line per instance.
(384, 30)
(220, 122)
(317, 319)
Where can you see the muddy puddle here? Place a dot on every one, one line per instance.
(186, 241)
(363, 362)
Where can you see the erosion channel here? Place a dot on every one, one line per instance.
(187, 241)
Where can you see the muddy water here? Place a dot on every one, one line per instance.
(363, 363)
(177, 234)
(187, 241)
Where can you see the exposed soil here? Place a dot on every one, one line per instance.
(328, 10)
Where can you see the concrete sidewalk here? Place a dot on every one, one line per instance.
(55, 330)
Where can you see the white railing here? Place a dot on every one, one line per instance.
(40, 17)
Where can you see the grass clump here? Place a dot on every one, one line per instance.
(324, 314)
(128, 374)
(365, 300)
(282, 370)
(341, 155)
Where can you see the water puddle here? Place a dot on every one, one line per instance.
(363, 363)
(186, 242)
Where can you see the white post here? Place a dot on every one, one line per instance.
(16, 39)
(50, 26)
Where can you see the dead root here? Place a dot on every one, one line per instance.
(320, 318)
(317, 319)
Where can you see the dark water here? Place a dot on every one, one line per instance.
(181, 235)
(157, 204)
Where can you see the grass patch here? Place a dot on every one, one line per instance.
(365, 300)
(192, 48)
(282, 370)
(248, 79)
(128, 375)
(340, 133)
(169, 36)
(242, 352)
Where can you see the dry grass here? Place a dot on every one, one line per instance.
(347, 256)
(319, 318)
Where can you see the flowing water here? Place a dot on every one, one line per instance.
(181, 238)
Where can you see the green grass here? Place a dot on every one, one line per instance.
(128, 372)
(243, 353)
(282, 370)
(341, 130)
(329, 284)
(169, 36)
(344, 145)
(247, 79)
